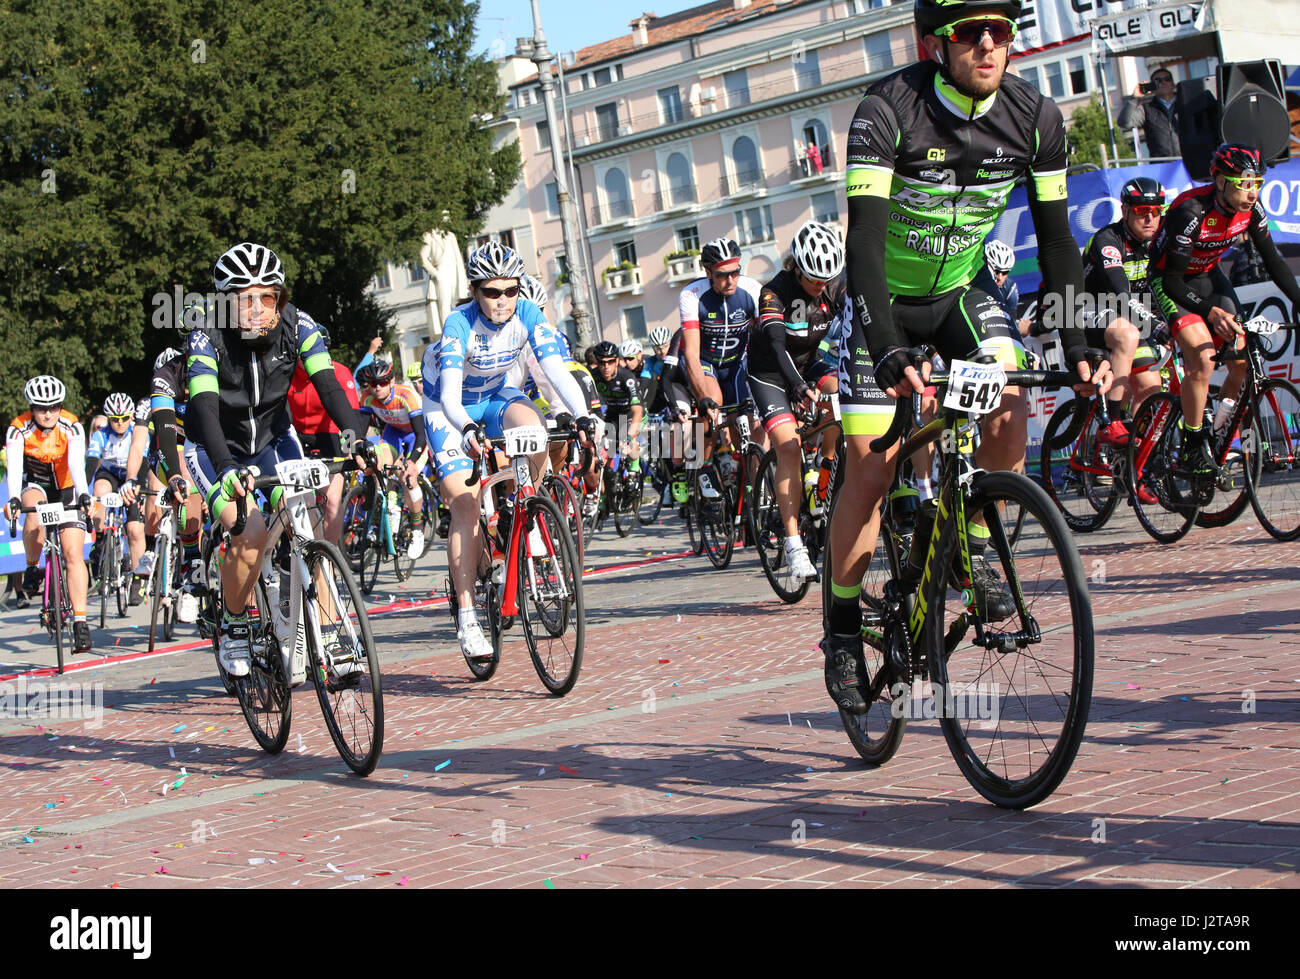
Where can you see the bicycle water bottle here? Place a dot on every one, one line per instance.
(1223, 412)
(903, 505)
(810, 491)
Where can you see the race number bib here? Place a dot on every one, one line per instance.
(111, 501)
(302, 473)
(974, 388)
(1261, 326)
(525, 440)
(51, 514)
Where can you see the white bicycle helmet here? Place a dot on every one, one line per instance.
(629, 349)
(247, 264)
(494, 261)
(660, 335)
(999, 256)
(818, 253)
(117, 404)
(44, 391)
(532, 289)
(166, 357)
(717, 251)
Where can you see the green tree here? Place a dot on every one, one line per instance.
(1087, 129)
(141, 138)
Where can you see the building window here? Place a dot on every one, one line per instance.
(634, 323)
(416, 272)
(807, 70)
(383, 280)
(607, 120)
(618, 200)
(1108, 72)
(744, 157)
(553, 199)
(737, 86)
(826, 207)
(815, 136)
(507, 237)
(1055, 80)
(681, 188)
(561, 269)
(624, 251)
(1030, 74)
(1078, 76)
(601, 76)
(879, 54)
(862, 6)
(543, 135)
(755, 225)
(688, 239)
(670, 105)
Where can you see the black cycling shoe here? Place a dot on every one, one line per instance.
(81, 637)
(992, 597)
(1196, 464)
(845, 668)
(139, 586)
(33, 581)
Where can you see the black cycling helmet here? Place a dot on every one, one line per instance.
(930, 14)
(1141, 191)
(719, 250)
(376, 372)
(605, 350)
(1235, 160)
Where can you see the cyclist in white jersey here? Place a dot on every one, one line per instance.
(468, 395)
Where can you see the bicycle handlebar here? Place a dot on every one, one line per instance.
(269, 480)
(1023, 379)
(554, 435)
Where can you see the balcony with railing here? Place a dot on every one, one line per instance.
(622, 280)
(611, 211)
(743, 182)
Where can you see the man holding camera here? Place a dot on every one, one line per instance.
(1156, 115)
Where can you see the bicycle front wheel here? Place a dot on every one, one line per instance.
(627, 500)
(1013, 695)
(768, 531)
(559, 489)
(265, 696)
(1159, 491)
(651, 501)
(1076, 467)
(342, 657)
(715, 523)
(549, 595)
(102, 575)
(157, 590)
(172, 585)
(1274, 485)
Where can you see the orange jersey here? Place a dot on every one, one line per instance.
(56, 456)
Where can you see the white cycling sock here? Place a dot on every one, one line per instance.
(466, 617)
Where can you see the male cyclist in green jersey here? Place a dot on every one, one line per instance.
(934, 151)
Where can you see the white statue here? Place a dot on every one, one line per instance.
(445, 282)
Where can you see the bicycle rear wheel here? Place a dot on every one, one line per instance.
(1274, 486)
(345, 666)
(1231, 496)
(549, 595)
(769, 532)
(627, 500)
(875, 735)
(1152, 469)
(103, 575)
(157, 589)
(121, 582)
(265, 696)
(1013, 695)
(353, 535)
(559, 489)
(653, 486)
(1076, 469)
(403, 564)
(210, 609)
(54, 600)
(715, 523)
(172, 582)
(487, 606)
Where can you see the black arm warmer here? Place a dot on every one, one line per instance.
(1173, 279)
(775, 330)
(873, 321)
(204, 421)
(1062, 268)
(164, 426)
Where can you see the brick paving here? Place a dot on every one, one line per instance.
(724, 767)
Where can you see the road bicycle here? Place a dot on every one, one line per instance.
(308, 617)
(1254, 451)
(714, 526)
(113, 575)
(528, 566)
(767, 527)
(56, 605)
(1030, 674)
(369, 537)
(167, 574)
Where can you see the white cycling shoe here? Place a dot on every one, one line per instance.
(800, 565)
(233, 650)
(415, 549)
(187, 609)
(707, 491)
(473, 643)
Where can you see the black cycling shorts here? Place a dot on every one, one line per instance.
(52, 494)
(773, 398)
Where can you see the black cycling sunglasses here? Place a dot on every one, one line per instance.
(510, 292)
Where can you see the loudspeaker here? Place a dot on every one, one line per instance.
(1198, 126)
(1254, 111)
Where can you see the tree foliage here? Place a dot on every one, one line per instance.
(1087, 129)
(141, 138)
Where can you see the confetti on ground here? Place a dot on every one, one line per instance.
(1134, 686)
(663, 661)
(548, 883)
(583, 856)
(332, 869)
(403, 881)
(355, 877)
(256, 861)
(178, 730)
(541, 771)
(565, 768)
(438, 768)
(171, 752)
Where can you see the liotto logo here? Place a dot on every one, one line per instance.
(101, 932)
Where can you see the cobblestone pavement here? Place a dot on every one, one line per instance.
(698, 749)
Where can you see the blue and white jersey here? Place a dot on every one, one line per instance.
(484, 352)
(110, 448)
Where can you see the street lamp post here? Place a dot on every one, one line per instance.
(572, 248)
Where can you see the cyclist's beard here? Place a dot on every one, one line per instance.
(972, 87)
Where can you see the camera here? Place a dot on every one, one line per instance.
(1147, 87)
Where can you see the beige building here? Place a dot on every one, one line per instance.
(727, 119)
